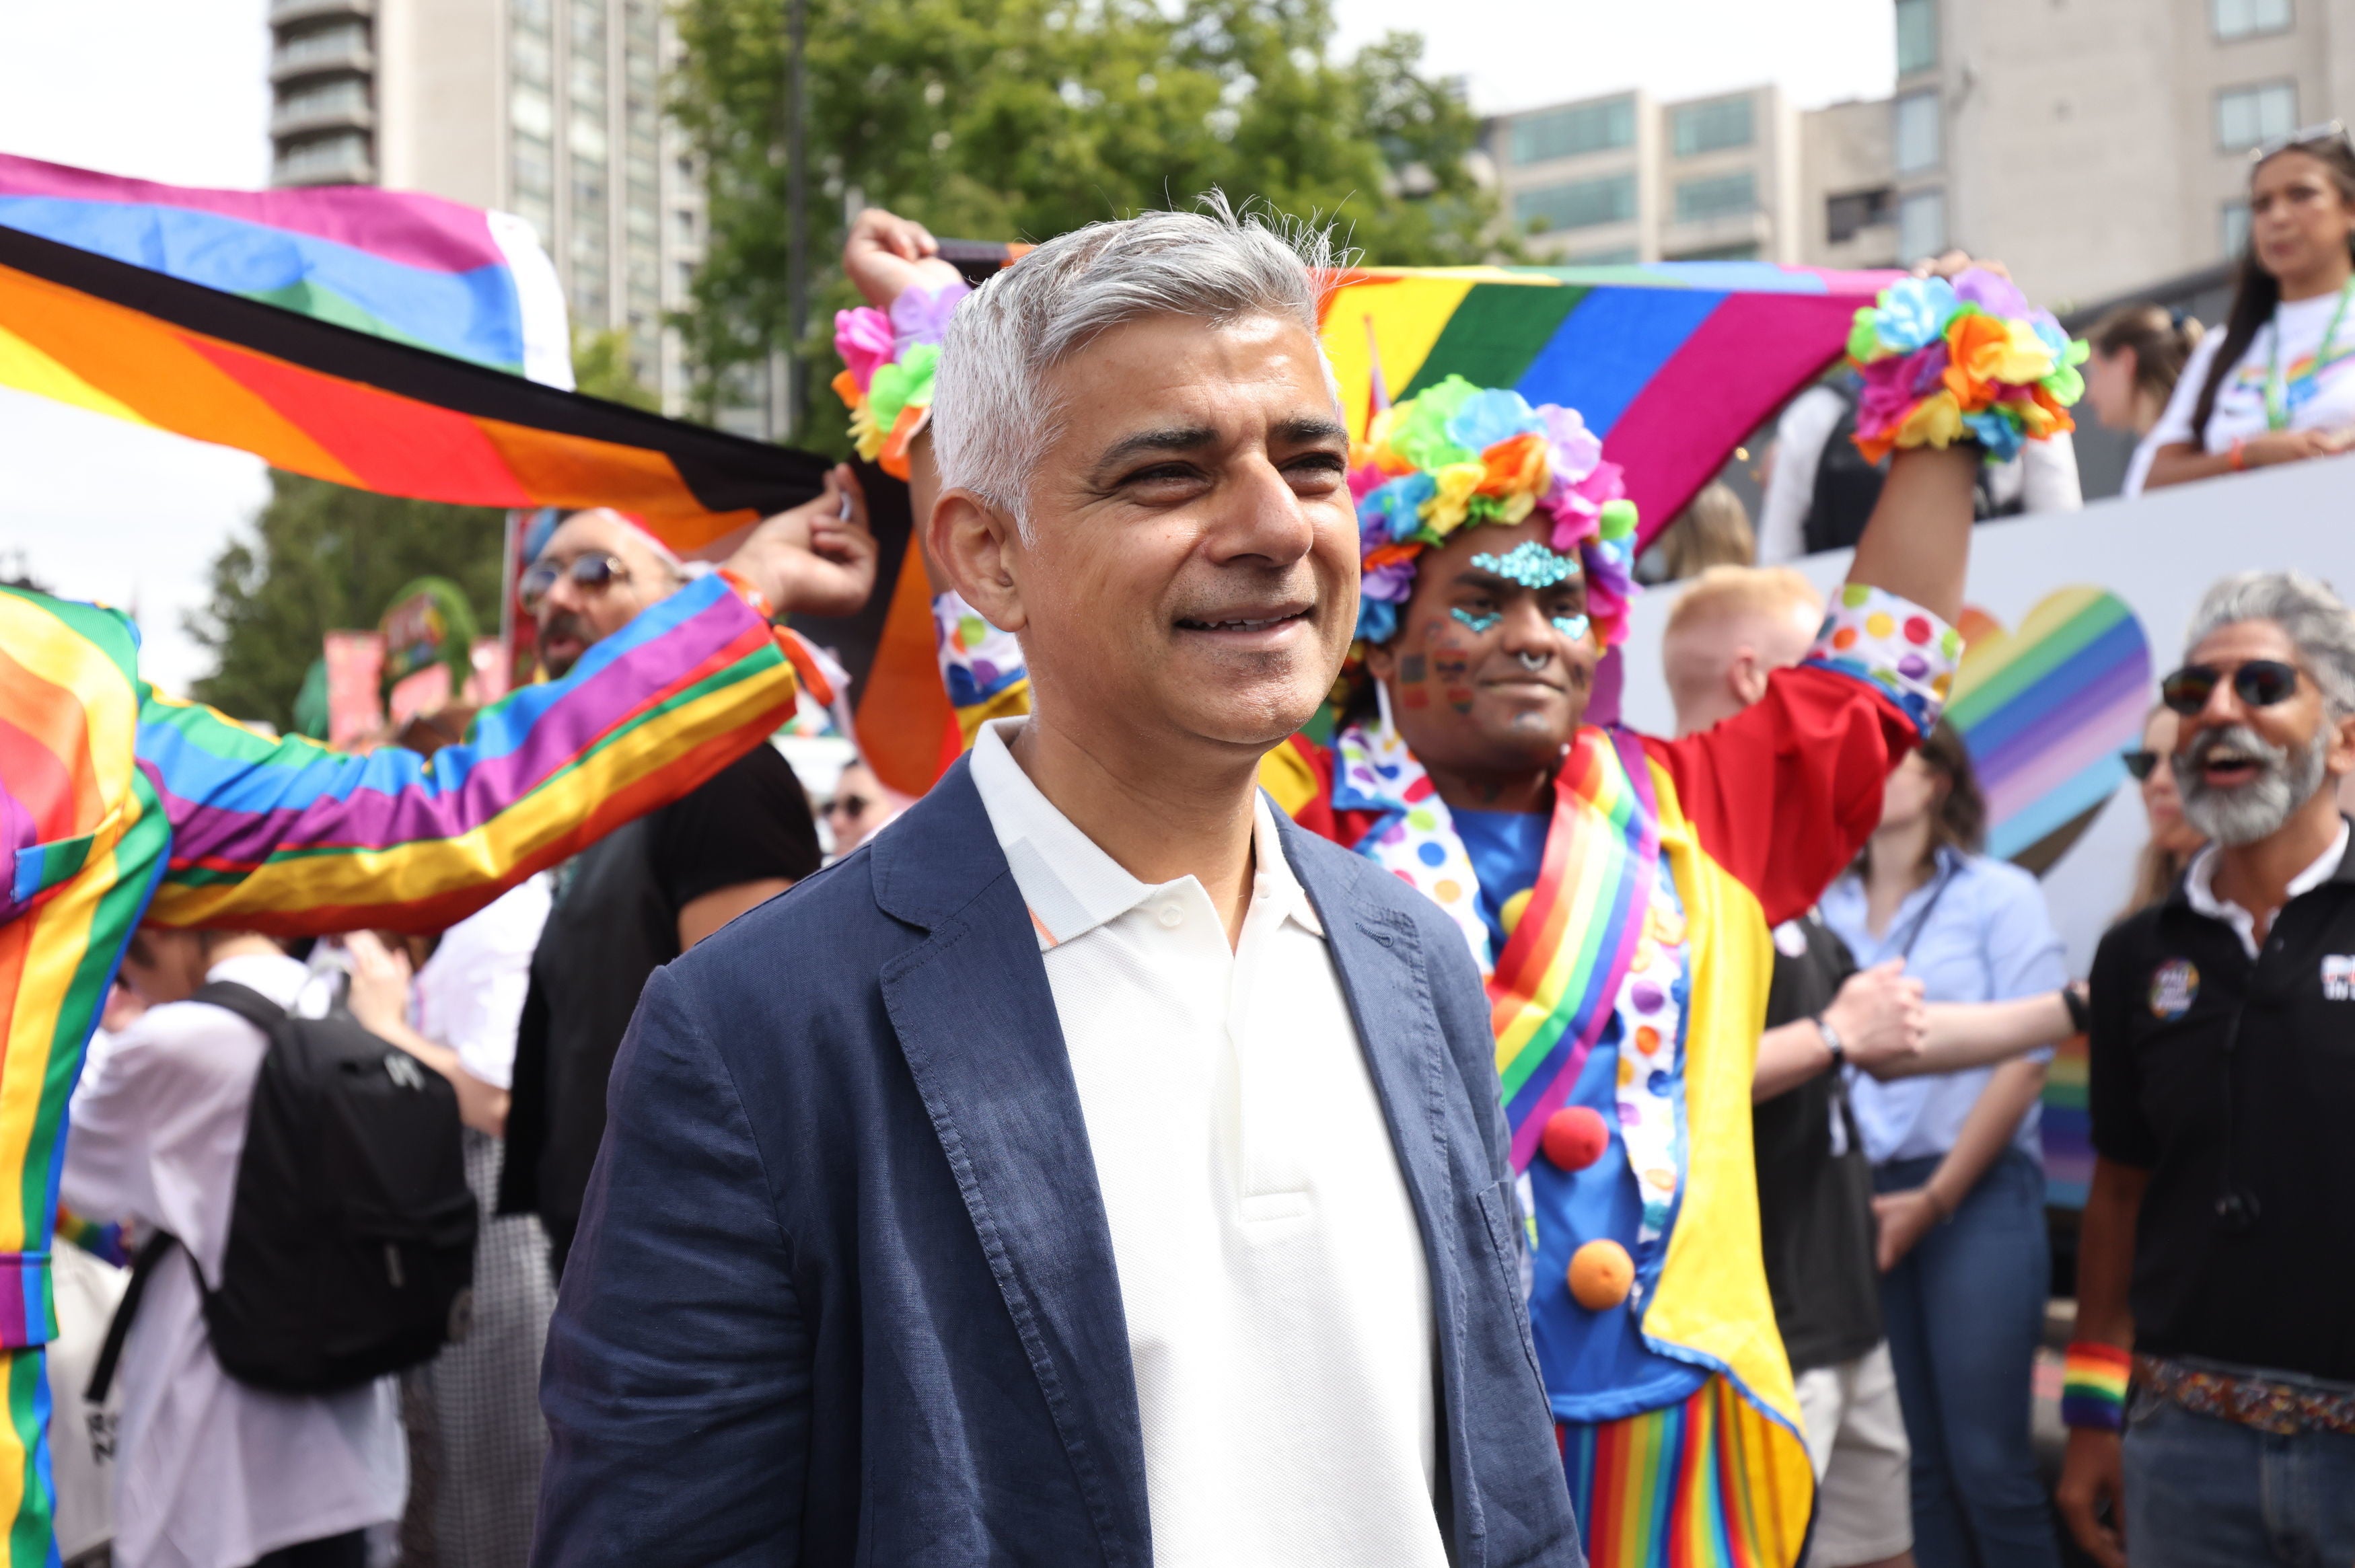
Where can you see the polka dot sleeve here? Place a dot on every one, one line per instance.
(1893, 644)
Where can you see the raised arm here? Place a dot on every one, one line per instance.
(284, 836)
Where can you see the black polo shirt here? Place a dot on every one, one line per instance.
(1814, 1186)
(2231, 1081)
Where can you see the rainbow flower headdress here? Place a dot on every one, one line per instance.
(1966, 360)
(888, 361)
(1458, 456)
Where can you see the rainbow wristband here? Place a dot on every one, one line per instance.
(2093, 1386)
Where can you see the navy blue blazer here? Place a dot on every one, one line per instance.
(843, 1291)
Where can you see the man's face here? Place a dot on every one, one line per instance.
(575, 615)
(1191, 565)
(163, 965)
(1483, 674)
(2245, 771)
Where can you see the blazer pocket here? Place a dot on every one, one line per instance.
(1498, 1209)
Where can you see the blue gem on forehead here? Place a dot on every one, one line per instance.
(1530, 564)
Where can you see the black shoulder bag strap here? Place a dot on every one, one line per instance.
(270, 1018)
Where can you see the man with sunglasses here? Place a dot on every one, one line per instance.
(646, 893)
(2217, 1257)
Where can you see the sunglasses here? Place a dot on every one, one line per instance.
(2326, 132)
(595, 572)
(848, 805)
(2141, 762)
(2260, 683)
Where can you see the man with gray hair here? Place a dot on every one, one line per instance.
(1095, 1168)
(2217, 1258)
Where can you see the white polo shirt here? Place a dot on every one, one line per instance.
(1272, 1273)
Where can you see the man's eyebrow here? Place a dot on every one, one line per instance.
(1305, 428)
(1173, 439)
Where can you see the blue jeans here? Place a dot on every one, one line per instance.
(2201, 1491)
(1964, 1311)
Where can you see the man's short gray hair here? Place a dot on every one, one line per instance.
(2313, 617)
(993, 419)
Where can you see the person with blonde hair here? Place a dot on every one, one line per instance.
(2140, 352)
(1713, 530)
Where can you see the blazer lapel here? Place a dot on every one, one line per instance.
(977, 1022)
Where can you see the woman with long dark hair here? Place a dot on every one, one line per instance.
(2279, 384)
(1957, 1166)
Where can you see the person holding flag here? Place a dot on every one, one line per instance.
(120, 805)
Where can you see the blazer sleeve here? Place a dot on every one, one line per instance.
(678, 1378)
(1784, 794)
(282, 835)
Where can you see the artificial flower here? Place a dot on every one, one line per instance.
(1576, 448)
(906, 380)
(922, 315)
(1913, 312)
(1492, 414)
(1446, 511)
(1991, 292)
(863, 338)
(1935, 421)
(1515, 466)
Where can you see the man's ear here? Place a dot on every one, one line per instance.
(977, 547)
(2339, 761)
(1746, 673)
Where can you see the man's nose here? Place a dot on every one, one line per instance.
(1526, 628)
(1262, 517)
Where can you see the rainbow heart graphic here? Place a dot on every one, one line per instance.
(2045, 710)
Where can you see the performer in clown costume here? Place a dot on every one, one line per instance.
(1616, 890)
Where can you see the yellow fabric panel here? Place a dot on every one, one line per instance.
(1408, 312)
(1285, 775)
(1012, 702)
(1711, 1296)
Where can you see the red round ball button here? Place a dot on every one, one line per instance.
(1574, 1137)
(1601, 1275)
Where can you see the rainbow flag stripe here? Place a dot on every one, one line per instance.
(1552, 992)
(1674, 362)
(1672, 1487)
(110, 795)
(393, 264)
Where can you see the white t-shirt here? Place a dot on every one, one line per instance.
(210, 1473)
(470, 993)
(2319, 399)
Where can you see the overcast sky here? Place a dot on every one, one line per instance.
(174, 89)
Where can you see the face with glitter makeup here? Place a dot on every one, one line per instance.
(1493, 661)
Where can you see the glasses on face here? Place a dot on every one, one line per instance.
(2141, 762)
(2319, 135)
(594, 572)
(847, 806)
(2260, 683)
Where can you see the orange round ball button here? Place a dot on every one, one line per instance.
(1601, 1275)
(1574, 1137)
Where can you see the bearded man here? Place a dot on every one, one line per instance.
(2218, 1251)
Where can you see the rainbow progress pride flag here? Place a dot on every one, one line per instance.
(395, 264)
(1673, 362)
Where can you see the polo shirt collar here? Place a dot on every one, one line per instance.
(1070, 885)
(2199, 883)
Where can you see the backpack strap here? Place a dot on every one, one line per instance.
(151, 1253)
(246, 1002)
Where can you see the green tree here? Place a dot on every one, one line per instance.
(1023, 119)
(319, 557)
(601, 367)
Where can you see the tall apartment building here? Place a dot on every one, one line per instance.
(1624, 178)
(2102, 145)
(548, 108)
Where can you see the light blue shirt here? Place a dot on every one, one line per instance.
(1987, 938)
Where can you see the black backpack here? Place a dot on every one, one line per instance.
(351, 1241)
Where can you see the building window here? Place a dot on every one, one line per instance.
(1917, 35)
(1852, 212)
(349, 96)
(1579, 129)
(683, 225)
(342, 160)
(2233, 228)
(2250, 116)
(1921, 224)
(1707, 127)
(1745, 251)
(1583, 204)
(2247, 18)
(346, 40)
(1719, 195)
(1917, 132)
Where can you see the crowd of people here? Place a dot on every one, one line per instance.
(1480, 1135)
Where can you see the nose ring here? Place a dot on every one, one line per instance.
(1534, 660)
